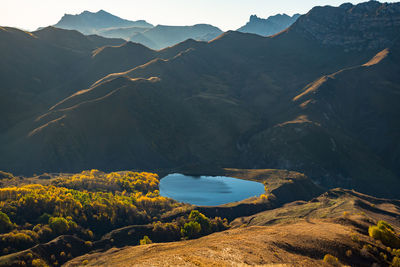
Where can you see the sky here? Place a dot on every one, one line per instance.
(225, 14)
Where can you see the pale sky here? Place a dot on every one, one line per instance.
(226, 14)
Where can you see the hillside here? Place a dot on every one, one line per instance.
(29, 67)
(270, 26)
(74, 40)
(90, 23)
(58, 216)
(241, 101)
(39, 69)
(336, 223)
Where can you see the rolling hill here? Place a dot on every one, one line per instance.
(300, 233)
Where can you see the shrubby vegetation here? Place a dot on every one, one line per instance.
(97, 181)
(385, 233)
(331, 260)
(190, 226)
(146, 240)
(5, 223)
(88, 204)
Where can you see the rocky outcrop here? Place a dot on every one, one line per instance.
(369, 25)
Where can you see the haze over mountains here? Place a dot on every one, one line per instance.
(93, 127)
(90, 23)
(161, 36)
(155, 37)
(319, 98)
(269, 26)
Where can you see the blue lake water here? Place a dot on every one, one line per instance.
(208, 190)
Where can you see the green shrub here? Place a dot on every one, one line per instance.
(146, 240)
(166, 232)
(19, 240)
(44, 218)
(5, 223)
(385, 233)
(59, 225)
(332, 260)
(191, 230)
(200, 218)
(39, 263)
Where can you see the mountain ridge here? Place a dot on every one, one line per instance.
(269, 26)
(241, 100)
(88, 22)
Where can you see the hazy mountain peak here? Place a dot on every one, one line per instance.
(269, 26)
(101, 11)
(88, 22)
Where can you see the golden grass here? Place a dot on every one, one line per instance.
(378, 58)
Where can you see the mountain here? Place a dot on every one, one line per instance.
(107, 25)
(90, 23)
(270, 26)
(41, 68)
(72, 39)
(164, 36)
(30, 67)
(124, 33)
(306, 99)
(337, 26)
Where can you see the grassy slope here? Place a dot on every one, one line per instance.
(283, 186)
(333, 223)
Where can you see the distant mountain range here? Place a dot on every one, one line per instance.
(158, 37)
(320, 97)
(163, 36)
(269, 26)
(91, 23)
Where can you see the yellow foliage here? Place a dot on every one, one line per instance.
(332, 260)
(39, 263)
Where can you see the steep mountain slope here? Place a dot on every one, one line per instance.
(111, 59)
(241, 100)
(163, 36)
(30, 67)
(349, 116)
(270, 26)
(41, 68)
(89, 23)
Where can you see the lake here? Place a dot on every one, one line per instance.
(208, 190)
